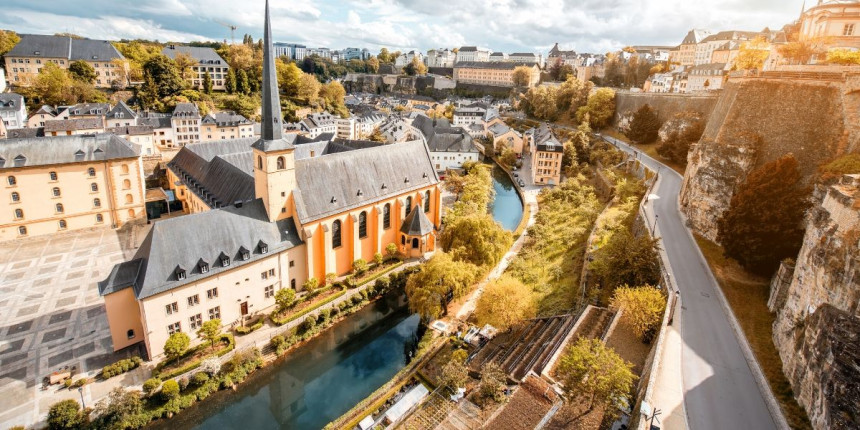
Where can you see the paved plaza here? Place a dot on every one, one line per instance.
(53, 317)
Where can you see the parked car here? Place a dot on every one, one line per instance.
(516, 175)
(522, 184)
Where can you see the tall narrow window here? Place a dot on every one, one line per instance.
(22, 230)
(426, 201)
(362, 225)
(94, 186)
(99, 218)
(281, 163)
(59, 208)
(97, 202)
(335, 234)
(386, 216)
(16, 197)
(62, 224)
(124, 169)
(260, 162)
(129, 198)
(126, 184)
(91, 172)
(53, 175)
(408, 205)
(56, 192)
(11, 180)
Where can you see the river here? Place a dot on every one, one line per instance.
(507, 208)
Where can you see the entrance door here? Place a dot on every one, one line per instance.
(415, 242)
(244, 308)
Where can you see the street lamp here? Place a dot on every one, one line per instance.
(654, 227)
(81, 391)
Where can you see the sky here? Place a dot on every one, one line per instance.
(595, 26)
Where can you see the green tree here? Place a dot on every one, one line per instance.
(121, 409)
(505, 302)
(285, 297)
(391, 251)
(644, 125)
(207, 83)
(643, 309)
(477, 239)
(591, 371)
(764, 222)
(627, 260)
(82, 71)
(688, 130)
(428, 289)
(311, 285)
(147, 94)
(493, 382)
(53, 86)
(66, 414)
(378, 259)
(243, 105)
(359, 266)
(176, 345)
(230, 82)
(454, 375)
(242, 83)
(169, 389)
(165, 76)
(210, 331)
(599, 109)
(151, 385)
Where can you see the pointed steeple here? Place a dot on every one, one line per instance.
(272, 123)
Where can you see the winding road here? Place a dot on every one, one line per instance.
(718, 371)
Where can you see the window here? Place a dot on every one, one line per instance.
(204, 267)
(124, 169)
(16, 197)
(129, 198)
(194, 300)
(180, 274)
(386, 216)
(99, 218)
(174, 328)
(848, 30)
(126, 184)
(22, 230)
(59, 208)
(260, 162)
(56, 192)
(215, 313)
(264, 248)
(53, 175)
(264, 275)
(403, 240)
(211, 294)
(426, 201)
(62, 223)
(362, 224)
(171, 308)
(408, 205)
(97, 203)
(281, 164)
(293, 284)
(130, 334)
(195, 321)
(246, 255)
(335, 234)
(94, 187)
(269, 291)
(19, 213)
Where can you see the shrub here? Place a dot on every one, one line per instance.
(308, 324)
(200, 378)
(183, 383)
(169, 389)
(210, 331)
(210, 366)
(227, 382)
(377, 258)
(68, 383)
(643, 309)
(391, 250)
(81, 382)
(121, 366)
(176, 344)
(151, 385)
(285, 298)
(329, 278)
(65, 414)
(359, 266)
(311, 285)
(382, 284)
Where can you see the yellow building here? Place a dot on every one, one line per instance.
(546, 154)
(496, 74)
(267, 214)
(836, 23)
(26, 59)
(54, 184)
(225, 125)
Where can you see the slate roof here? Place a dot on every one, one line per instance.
(468, 49)
(416, 223)
(18, 133)
(130, 130)
(695, 36)
(498, 129)
(121, 110)
(203, 55)
(220, 172)
(152, 270)
(82, 109)
(523, 54)
(441, 137)
(733, 35)
(225, 119)
(339, 182)
(64, 47)
(11, 101)
(155, 121)
(186, 110)
(44, 151)
(506, 65)
(546, 141)
(73, 124)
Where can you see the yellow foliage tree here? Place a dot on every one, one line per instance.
(505, 302)
(522, 76)
(843, 56)
(752, 54)
(642, 306)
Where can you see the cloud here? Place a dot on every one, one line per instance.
(507, 25)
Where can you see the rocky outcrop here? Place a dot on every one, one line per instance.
(817, 328)
(665, 104)
(757, 121)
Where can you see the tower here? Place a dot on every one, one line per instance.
(274, 161)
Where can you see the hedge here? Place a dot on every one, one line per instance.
(247, 329)
(157, 373)
(120, 367)
(281, 321)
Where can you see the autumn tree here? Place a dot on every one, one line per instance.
(752, 54)
(53, 86)
(211, 331)
(505, 302)
(642, 309)
(243, 105)
(493, 382)
(626, 259)
(798, 51)
(764, 222)
(82, 71)
(121, 409)
(599, 109)
(476, 239)
(687, 128)
(285, 297)
(454, 375)
(333, 95)
(385, 56)
(309, 88)
(541, 103)
(644, 125)
(176, 345)
(593, 372)
(415, 67)
(8, 40)
(572, 95)
(66, 415)
(522, 76)
(843, 56)
(184, 63)
(429, 289)
(372, 65)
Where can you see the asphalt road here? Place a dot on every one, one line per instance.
(720, 391)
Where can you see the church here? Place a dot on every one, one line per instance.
(268, 213)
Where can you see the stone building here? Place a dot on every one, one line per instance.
(836, 22)
(495, 74)
(546, 154)
(25, 60)
(208, 61)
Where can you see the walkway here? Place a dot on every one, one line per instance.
(723, 387)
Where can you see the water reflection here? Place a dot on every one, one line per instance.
(507, 208)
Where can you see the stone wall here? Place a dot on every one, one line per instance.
(756, 121)
(817, 327)
(666, 105)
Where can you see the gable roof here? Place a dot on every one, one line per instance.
(220, 172)
(546, 141)
(38, 45)
(73, 124)
(82, 109)
(225, 119)
(203, 55)
(11, 101)
(416, 223)
(44, 151)
(121, 110)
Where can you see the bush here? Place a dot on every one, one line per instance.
(311, 285)
(377, 258)
(176, 344)
(200, 378)
(183, 383)
(285, 298)
(308, 324)
(249, 328)
(644, 125)
(65, 414)
(169, 389)
(68, 383)
(151, 385)
(81, 382)
(227, 382)
(359, 266)
(391, 250)
(121, 366)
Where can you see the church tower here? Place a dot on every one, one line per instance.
(274, 161)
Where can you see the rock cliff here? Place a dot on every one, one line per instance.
(756, 121)
(817, 328)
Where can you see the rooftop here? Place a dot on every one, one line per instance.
(45, 151)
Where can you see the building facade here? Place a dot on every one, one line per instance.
(497, 74)
(208, 61)
(835, 22)
(473, 54)
(13, 111)
(25, 60)
(546, 154)
(186, 124)
(225, 125)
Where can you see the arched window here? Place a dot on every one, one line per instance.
(124, 169)
(403, 240)
(97, 203)
(126, 184)
(99, 218)
(19, 213)
(362, 224)
(129, 198)
(11, 180)
(408, 205)
(281, 163)
(94, 186)
(55, 192)
(386, 216)
(131, 213)
(59, 208)
(335, 234)
(91, 172)
(62, 224)
(260, 162)
(16, 197)
(22, 230)
(415, 242)
(53, 175)
(426, 201)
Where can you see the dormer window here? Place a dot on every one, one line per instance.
(204, 266)
(180, 273)
(244, 253)
(264, 248)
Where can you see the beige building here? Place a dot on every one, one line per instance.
(54, 184)
(208, 61)
(504, 135)
(186, 124)
(705, 77)
(546, 154)
(26, 59)
(70, 127)
(225, 125)
(837, 23)
(497, 74)
(41, 116)
(140, 135)
(686, 54)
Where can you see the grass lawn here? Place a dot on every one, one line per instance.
(747, 295)
(649, 150)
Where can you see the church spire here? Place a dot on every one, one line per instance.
(272, 121)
